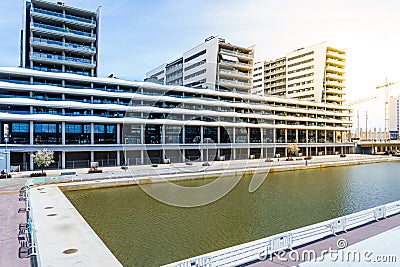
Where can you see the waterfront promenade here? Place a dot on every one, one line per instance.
(9, 223)
(277, 164)
(9, 207)
(362, 246)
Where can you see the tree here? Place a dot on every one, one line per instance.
(43, 158)
(292, 149)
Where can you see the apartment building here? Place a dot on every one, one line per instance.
(315, 73)
(394, 117)
(60, 38)
(114, 122)
(84, 118)
(214, 64)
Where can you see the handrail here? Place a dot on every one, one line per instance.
(251, 251)
(60, 15)
(66, 30)
(63, 58)
(63, 44)
(32, 244)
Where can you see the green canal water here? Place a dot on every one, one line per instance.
(141, 231)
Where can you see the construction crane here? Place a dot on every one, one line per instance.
(386, 86)
(358, 114)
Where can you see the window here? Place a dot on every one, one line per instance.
(195, 65)
(20, 127)
(195, 74)
(195, 55)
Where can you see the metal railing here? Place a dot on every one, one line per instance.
(254, 250)
(60, 15)
(63, 30)
(63, 58)
(63, 44)
(32, 241)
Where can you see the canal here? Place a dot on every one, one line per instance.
(141, 231)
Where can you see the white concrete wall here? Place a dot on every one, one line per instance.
(210, 56)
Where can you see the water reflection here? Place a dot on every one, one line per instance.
(141, 231)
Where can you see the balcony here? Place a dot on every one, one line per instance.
(234, 73)
(63, 31)
(63, 46)
(235, 53)
(336, 55)
(334, 69)
(334, 91)
(334, 84)
(64, 18)
(236, 64)
(335, 77)
(235, 84)
(330, 98)
(80, 62)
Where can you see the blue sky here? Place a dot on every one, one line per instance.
(139, 35)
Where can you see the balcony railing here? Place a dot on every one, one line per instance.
(62, 58)
(234, 82)
(237, 73)
(236, 63)
(235, 53)
(62, 44)
(63, 30)
(60, 15)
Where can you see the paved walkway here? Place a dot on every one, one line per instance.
(9, 223)
(195, 167)
(365, 239)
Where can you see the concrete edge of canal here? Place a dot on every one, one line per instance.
(63, 236)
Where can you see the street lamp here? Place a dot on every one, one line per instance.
(7, 157)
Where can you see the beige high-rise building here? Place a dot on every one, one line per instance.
(313, 73)
(214, 64)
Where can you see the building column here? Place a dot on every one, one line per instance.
(141, 157)
(118, 133)
(316, 151)
(63, 159)
(24, 167)
(31, 164)
(31, 131)
(92, 133)
(63, 133)
(261, 143)
(91, 155)
(248, 142)
(218, 142)
(118, 158)
(142, 135)
(273, 135)
(285, 135)
(306, 142)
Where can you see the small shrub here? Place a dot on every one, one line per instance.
(342, 155)
(95, 171)
(37, 174)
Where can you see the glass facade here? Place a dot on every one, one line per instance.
(105, 134)
(77, 133)
(47, 133)
(19, 133)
